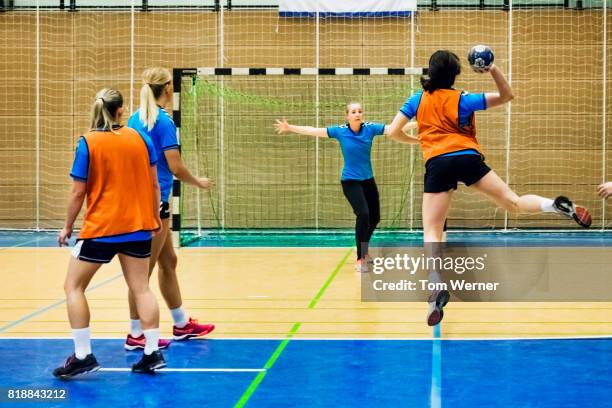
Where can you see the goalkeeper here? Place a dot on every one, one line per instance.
(358, 184)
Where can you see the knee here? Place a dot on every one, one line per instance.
(68, 287)
(511, 203)
(363, 215)
(433, 231)
(168, 264)
(71, 287)
(138, 288)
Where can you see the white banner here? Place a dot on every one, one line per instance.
(346, 8)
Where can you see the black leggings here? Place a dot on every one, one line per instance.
(363, 197)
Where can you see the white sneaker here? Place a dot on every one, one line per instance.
(566, 208)
(361, 267)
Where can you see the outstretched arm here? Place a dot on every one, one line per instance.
(282, 126)
(505, 91)
(403, 136)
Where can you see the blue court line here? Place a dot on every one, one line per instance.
(21, 244)
(52, 305)
(435, 396)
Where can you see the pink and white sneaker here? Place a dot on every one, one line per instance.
(134, 343)
(361, 266)
(192, 329)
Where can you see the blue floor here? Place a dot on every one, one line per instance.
(339, 373)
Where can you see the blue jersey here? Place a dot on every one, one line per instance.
(468, 104)
(164, 138)
(80, 172)
(356, 148)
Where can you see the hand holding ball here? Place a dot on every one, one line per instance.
(481, 58)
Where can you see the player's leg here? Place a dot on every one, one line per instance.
(497, 190)
(135, 338)
(370, 190)
(435, 210)
(439, 183)
(79, 275)
(184, 327)
(134, 258)
(353, 191)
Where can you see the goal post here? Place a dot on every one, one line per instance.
(225, 118)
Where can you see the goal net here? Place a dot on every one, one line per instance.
(264, 180)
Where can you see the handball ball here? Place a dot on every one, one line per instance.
(480, 58)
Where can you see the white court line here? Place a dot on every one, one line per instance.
(213, 339)
(193, 370)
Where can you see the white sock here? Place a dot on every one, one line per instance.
(179, 316)
(151, 340)
(135, 328)
(547, 206)
(82, 342)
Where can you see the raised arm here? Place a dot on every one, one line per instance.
(403, 136)
(505, 91)
(394, 130)
(282, 126)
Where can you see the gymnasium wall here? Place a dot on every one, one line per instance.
(554, 143)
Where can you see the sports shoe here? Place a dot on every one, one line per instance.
(191, 329)
(565, 207)
(74, 366)
(149, 363)
(437, 300)
(361, 266)
(133, 343)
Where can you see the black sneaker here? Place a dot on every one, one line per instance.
(74, 366)
(437, 300)
(565, 207)
(149, 363)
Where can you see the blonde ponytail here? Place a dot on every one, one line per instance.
(104, 109)
(155, 80)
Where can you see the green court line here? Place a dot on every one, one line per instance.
(281, 347)
(316, 299)
(260, 376)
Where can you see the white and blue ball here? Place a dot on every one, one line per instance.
(481, 58)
